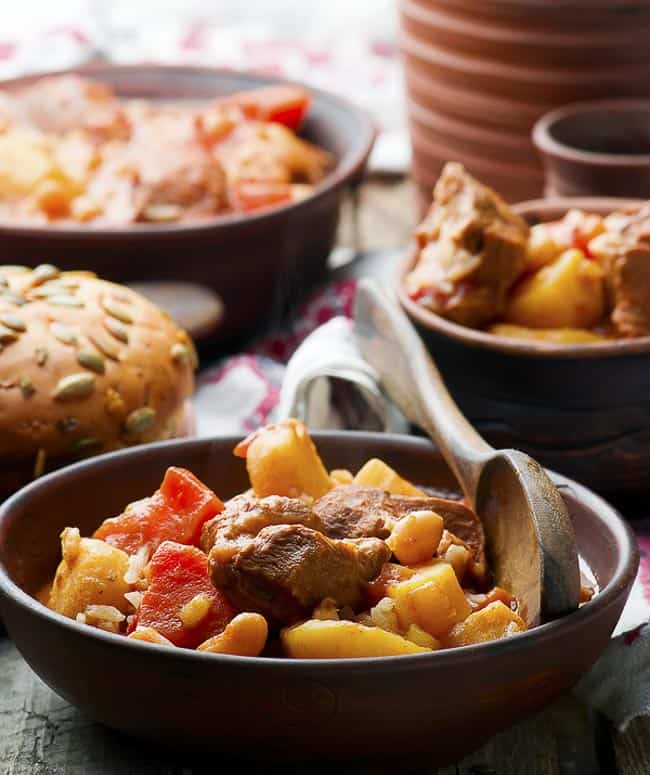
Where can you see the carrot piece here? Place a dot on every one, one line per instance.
(175, 512)
(181, 603)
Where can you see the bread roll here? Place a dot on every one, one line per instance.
(86, 366)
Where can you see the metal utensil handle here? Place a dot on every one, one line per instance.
(392, 346)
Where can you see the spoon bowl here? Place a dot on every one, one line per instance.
(529, 534)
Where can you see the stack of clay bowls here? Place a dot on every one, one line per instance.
(479, 74)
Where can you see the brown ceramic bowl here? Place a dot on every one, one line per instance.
(580, 409)
(438, 706)
(599, 148)
(255, 262)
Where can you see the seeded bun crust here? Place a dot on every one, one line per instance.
(86, 366)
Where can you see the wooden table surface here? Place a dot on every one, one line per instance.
(41, 734)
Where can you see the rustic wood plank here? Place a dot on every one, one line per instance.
(632, 748)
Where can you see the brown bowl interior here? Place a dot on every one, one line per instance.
(255, 262)
(534, 211)
(290, 708)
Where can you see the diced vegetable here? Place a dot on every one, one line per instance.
(282, 460)
(247, 196)
(421, 638)
(181, 603)
(391, 573)
(541, 248)
(557, 335)
(432, 598)
(149, 635)
(415, 537)
(244, 636)
(490, 623)
(322, 639)
(90, 573)
(282, 104)
(569, 293)
(376, 473)
(341, 476)
(175, 512)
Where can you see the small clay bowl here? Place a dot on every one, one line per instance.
(256, 262)
(599, 148)
(579, 409)
(436, 706)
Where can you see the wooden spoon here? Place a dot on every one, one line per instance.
(529, 534)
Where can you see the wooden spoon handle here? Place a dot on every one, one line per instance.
(391, 345)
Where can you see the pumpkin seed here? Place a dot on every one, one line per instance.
(13, 321)
(26, 385)
(44, 272)
(39, 463)
(91, 361)
(65, 300)
(73, 386)
(7, 335)
(116, 311)
(105, 346)
(180, 353)
(41, 354)
(13, 298)
(68, 424)
(86, 446)
(63, 333)
(140, 420)
(116, 329)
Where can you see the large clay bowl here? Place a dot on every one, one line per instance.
(583, 410)
(599, 148)
(438, 707)
(255, 262)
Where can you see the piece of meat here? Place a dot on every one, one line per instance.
(62, 103)
(350, 511)
(471, 250)
(460, 520)
(624, 252)
(286, 570)
(245, 515)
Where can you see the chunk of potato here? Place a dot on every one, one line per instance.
(323, 639)
(90, 573)
(432, 598)
(417, 635)
(244, 636)
(149, 635)
(282, 460)
(341, 476)
(376, 473)
(415, 537)
(557, 335)
(490, 623)
(568, 293)
(541, 248)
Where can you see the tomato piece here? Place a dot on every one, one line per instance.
(181, 603)
(282, 104)
(177, 511)
(251, 195)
